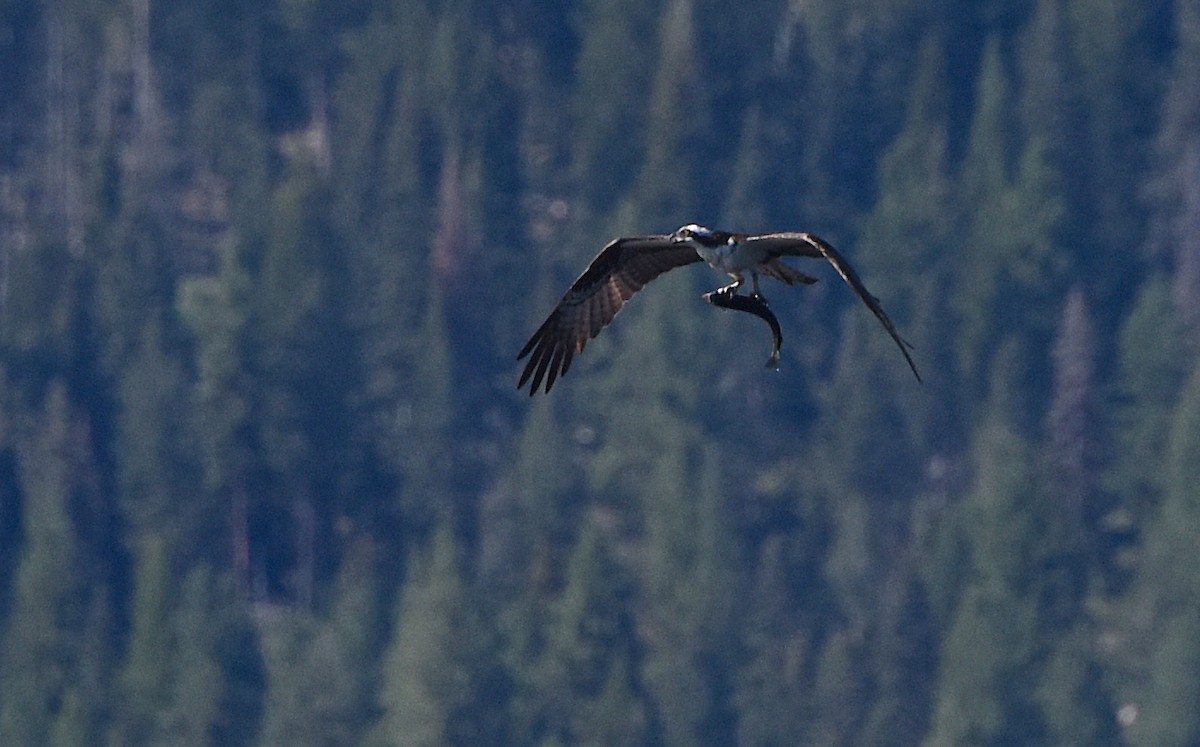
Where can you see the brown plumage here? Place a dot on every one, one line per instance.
(625, 265)
(619, 271)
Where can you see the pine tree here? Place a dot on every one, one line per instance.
(688, 586)
(984, 676)
(1164, 585)
(1011, 211)
(158, 472)
(321, 669)
(676, 115)
(1149, 377)
(903, 656)
(1069, 421)
(610, 81)
(146, 676)
(216, 309)
(440, 684)
(1115, 44)
(1075, 706)
(217, 676)
(769, 675)
(1175, 217)
(905, 240)
(44, 625)
(584, 679)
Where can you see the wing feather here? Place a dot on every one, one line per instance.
(804, 244)
(620, 270)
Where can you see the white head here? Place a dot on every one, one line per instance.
(693, 231)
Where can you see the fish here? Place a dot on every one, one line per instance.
(756, 305)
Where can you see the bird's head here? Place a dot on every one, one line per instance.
(698, 234)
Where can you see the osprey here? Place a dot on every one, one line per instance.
(626, 264)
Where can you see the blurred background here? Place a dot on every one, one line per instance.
(266, 479)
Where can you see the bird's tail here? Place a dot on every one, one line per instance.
(788, 274)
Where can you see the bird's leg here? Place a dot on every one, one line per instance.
(757, 293)
(726, 291)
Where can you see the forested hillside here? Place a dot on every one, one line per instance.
(266, 478)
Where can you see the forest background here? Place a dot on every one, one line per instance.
(265, 477)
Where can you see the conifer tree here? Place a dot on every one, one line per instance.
(146, 676)
(987, 654)
(1149, 377)
(321, 668)
(440, 684)
(43, 630)
(217, 674)
(687, 604)
(1163, 587)
(611, 69)
(1071, 446)
(1011, 211)
(1175, 216)
(1115, 44)
(1015, 662)
(585, 674)
(905, 241)
(217, 311)
(676, 115)
(772, 690)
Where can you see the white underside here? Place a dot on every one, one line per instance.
(732, 258)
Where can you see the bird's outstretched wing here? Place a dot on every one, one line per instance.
(617, 272)
(804, 244)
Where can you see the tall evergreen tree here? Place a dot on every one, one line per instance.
(688, 587)
(1012, 212)
(440, 683)
(613, 55)
(1069, 430)
(585, 674)
(987, 655)
(321, 668)
(217, 675)
(905, 242)
(216, 309)
(1149, 377)
(1175, 217)
(772, 690)
(43, 635)
(676, 114)
(146, 677)
(1163, 590)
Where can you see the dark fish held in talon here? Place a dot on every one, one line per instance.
(757, 306)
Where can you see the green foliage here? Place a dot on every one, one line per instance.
(613, 58)
(1150, 376)
(989, 648)
(217, 674)
(584, 680)
(41, 639)
(1012, 208)
(675, 113)
(321, 670)
(146, 676)
(264, 480)
(771, 688)
(439, 685)
(1164, 589)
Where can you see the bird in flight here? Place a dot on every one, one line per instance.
(626, 264)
